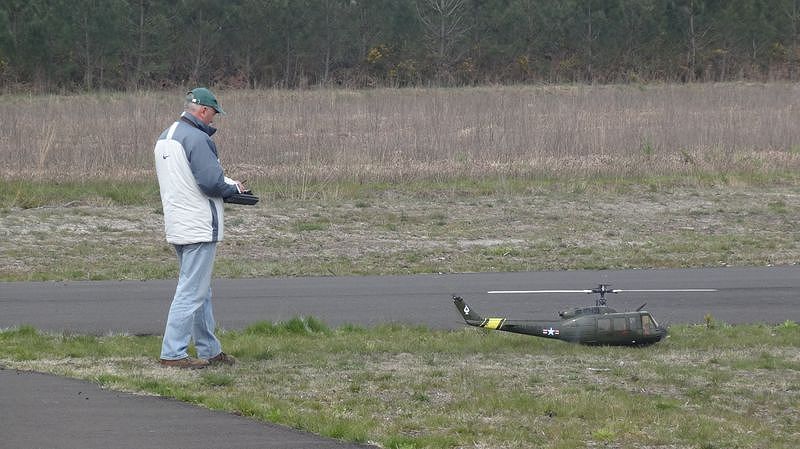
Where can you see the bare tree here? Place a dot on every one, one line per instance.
(694, 37)
(444, 30)
(591, 36)
(792, 11)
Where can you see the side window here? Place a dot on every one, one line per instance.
(603, 324)
(635, 322)
(647, 324)
(620, 324)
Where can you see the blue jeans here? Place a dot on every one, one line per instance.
(190, 315)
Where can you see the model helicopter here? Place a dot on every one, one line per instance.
(594, 325)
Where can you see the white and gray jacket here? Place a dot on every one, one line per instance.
(191, 182)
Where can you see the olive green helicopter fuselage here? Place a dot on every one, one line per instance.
(597, 325)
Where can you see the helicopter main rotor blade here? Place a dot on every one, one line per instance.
(538, 291)
(616, 290)
(667, 290)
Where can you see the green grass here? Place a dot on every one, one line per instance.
(21, 193)
(26, 194)
(403, 386)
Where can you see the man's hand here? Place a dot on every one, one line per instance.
(240, 186)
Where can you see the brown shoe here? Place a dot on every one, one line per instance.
(222, 359)
(185, 363)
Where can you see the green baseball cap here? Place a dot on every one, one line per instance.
(203, 96)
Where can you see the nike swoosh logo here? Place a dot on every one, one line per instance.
(164, 156)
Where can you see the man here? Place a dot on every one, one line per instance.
(192, 186)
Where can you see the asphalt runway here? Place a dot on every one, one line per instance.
(746, 295)
(43, 411)
(40, 411)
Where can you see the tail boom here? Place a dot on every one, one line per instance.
(547, 329)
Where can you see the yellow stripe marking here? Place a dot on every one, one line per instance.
(494, 323)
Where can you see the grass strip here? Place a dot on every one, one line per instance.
(401, 386)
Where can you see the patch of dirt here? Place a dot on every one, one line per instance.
(396, 233)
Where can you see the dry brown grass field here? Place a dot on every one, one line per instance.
(443, 180)
(395, 135)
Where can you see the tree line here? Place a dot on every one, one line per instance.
(49, 45)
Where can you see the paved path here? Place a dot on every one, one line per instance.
(746, 295)
(42, 411)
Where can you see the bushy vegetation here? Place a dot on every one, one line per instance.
(126, 44)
